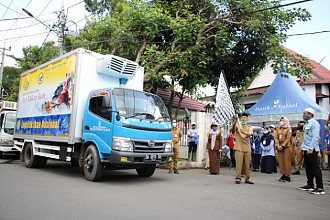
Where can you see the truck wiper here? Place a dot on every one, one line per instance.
(138, 114)
(162, 117)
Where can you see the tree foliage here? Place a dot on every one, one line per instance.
(187, 43)
(35, 55)
(10, 83)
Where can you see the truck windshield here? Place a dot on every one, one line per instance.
(142, 105)
(10, 123)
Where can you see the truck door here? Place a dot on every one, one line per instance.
(98, 121)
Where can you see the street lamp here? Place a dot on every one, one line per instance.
(31, 15)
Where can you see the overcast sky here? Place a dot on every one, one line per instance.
(17, 29)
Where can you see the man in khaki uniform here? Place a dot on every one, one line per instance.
(298, 153)
(176, 137)
(242, 148)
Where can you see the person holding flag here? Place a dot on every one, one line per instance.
(242, 148)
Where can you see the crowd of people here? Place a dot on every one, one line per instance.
(264, 150)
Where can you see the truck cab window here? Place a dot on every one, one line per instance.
(9, 123)
(101, 107)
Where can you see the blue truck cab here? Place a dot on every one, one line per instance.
(129, 128)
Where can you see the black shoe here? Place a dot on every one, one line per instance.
(317, 191)
(249, 182)
(238, 182)
(176, 172)
(282, 179)
(287, 178)
(296, 173)
(306, 188)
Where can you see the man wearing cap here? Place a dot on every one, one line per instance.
(242, 148)
(176, 137)
(311, 149)
(272, 129)
(193, 141)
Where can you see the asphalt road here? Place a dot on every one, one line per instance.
(61, 192)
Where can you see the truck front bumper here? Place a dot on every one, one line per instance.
(126, 158)
(8, 150)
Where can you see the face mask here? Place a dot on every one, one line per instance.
(243, 122)
(214, 128)
(255, 134)
(266, 132)
(300, 127)
(174, 125)
(305, 117)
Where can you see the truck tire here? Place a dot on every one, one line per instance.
(30, 160)
(147, 170)
(93, 168)
(42, 161)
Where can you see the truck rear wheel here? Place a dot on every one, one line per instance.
(93, 169)
(147, 170)
(30, 160)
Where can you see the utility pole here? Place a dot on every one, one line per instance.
(2, 67)
(62, 28)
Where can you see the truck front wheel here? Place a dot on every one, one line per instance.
(30, 160)
(93, 169)
(147, 170)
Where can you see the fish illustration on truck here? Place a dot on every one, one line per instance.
(90, 109)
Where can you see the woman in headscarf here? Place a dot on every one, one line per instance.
(282, 142)
(268, 161)
(213, 146)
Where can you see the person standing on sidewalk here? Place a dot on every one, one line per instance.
(311, 149)
(176, 137)
(298, 153)
(193, 141)
(230, 142)
(242, 148)
(214, 146)
(282, 143)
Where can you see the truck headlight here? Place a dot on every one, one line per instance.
(168, 146)
(4, 141)
(122, 144)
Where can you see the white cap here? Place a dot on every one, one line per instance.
(272, 126)
(193, 123)
(310, 110)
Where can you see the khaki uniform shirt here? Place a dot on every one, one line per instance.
(243, 141)
(176, 135)
(283, 137)
(299, 139)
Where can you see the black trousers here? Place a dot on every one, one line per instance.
(232, 158)
(256, 161)
(192, 147)
(313, 170)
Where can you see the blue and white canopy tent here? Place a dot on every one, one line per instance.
(286, 98)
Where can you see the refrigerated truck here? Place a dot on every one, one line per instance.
(7, 124)
(90, 109)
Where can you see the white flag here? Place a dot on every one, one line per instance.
(224, 109)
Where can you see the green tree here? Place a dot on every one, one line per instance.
(10, 83)
(190, 41)
(34, 55)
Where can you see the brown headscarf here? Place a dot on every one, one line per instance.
(286, 122)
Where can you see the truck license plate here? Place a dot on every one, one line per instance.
(153, 157)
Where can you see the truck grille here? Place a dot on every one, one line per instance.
(143, 147)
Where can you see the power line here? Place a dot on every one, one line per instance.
(309, 33)
(7, 8)
(13, 29)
